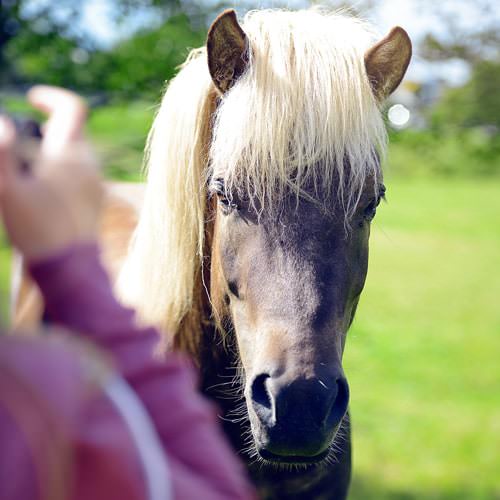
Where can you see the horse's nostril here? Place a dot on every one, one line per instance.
(340, 403)
(260, 394)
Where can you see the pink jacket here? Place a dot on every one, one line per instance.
(70, 427)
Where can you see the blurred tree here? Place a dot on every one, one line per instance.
(142, 63)
(27, 27)
(10, 26)
(477, 103)
(46, 41)
(470, 32)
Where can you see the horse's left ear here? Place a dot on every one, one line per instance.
(387, 61)
(227, 49)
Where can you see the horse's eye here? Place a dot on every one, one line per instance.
(371, 209)
(226, 203)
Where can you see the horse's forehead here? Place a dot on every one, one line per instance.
(304, 212)
(302, 218)
(302, 233)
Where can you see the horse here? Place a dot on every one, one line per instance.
(251, 248)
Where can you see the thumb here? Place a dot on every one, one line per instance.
(67, 113)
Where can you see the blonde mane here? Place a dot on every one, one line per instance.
(301, 112)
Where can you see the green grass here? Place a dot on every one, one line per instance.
(454, 152)
(423, 355)
(119, 133)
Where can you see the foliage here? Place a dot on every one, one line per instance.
(143, 63)
(463, 137)
(456, 152)
(468, 31)
(138, 66)
(39, 42)
(27, 27)
(44, 41)
(477, 103)
(47, 59)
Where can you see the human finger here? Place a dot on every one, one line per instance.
(67, 112)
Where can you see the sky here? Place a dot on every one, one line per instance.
(387, 13)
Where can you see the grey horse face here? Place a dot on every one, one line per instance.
(293, 277)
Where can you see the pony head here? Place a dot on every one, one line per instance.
(263, 177)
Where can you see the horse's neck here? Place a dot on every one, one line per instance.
(219, 368)
(217, 362)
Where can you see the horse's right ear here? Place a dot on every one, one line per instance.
(227, 49)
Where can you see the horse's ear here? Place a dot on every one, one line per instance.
(387, 61)
(227, 49)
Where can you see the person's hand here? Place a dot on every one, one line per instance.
(57, 203)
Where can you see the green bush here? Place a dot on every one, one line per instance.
(452, 152)
(137, 66)
(477, 103)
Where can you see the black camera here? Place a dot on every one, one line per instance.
(26, 128)
(29, 134)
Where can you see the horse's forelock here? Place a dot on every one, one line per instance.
(303, 109)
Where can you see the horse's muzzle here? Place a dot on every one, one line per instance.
(295, 421)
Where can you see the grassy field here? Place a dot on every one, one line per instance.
(423, 355)
(119, 134)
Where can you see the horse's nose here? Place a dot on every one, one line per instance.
(298, 417)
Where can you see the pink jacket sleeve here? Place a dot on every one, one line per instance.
(78, 296)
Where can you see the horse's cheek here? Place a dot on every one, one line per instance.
(244, 332)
